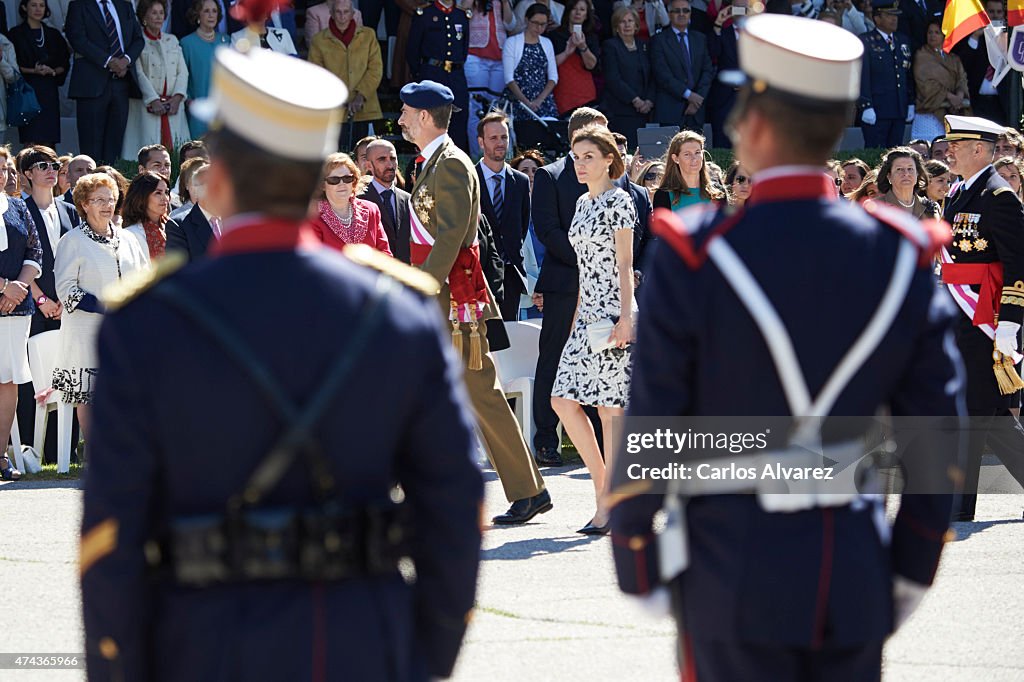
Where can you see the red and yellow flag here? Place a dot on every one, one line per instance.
(962, 18)
(1014, 12)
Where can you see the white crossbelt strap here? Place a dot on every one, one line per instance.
(781, 346)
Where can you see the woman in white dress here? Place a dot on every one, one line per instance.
(89, 258)
(160, 71)
(602, 235)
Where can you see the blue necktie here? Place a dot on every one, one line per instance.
(385, 196)
(498, 199)
(115, 42)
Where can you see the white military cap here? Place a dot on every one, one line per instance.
(281, 104)
(972, 128)
(814, 60)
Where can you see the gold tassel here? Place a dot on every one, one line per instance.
(476, 355)
(457, 337)
(1006, 375)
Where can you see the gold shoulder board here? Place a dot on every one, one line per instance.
(999, 190)
(394, 268)
(135, 284)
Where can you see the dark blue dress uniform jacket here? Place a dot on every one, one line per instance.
(886, 81)
(179, 428)
(814, 577)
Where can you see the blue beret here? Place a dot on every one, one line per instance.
(891, 6)
(426, 95)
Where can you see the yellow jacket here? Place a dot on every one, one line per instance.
(359, 65)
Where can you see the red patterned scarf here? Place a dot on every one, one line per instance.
(156, 239)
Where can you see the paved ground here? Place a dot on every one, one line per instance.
(548, 605)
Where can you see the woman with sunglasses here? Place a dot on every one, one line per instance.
(342, 218)
(146, 205)
(737, 184)
(649, 177)
(20, 258)
(53, 218)
(89, 259)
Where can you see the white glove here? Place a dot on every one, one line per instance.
(657, 603)
(869, 117)
(906, 597)
(1006, 337)
(910, 113)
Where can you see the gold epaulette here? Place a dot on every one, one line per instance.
(1013, 295)
(999, 190)
(133, 285)
(392, 267)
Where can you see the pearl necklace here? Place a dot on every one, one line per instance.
(900, 202)
(347, 222)
(208, 38)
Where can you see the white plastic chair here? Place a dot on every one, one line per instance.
(516, 367)
(42, 356)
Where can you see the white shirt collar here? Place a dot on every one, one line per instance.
(381, 187)
(887, 36)
(488, 173)
(967, 183)
(429, 150)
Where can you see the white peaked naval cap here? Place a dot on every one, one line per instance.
(281, 104)
(972, 128)
(812, 59)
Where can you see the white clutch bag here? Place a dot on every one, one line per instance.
(598, 333)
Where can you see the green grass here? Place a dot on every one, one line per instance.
(49, 473)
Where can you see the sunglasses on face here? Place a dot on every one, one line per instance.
(679, 10)
(45, 165)
(651, 177)
(338, 179)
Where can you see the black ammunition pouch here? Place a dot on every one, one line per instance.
(322, 539)
(281, 544)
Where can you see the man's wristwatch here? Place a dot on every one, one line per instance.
(41, 300)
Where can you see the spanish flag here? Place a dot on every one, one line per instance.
(962, 18)
(1014, 12)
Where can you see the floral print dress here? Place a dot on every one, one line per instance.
(584, 376)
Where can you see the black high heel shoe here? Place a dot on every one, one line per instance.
(591, 529)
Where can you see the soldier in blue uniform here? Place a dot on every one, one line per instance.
(886, 82)
(260, 484)
(437, 50)
(983, 269)
(809, 594)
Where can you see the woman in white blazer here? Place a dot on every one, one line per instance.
(162, 77)
(529, 81)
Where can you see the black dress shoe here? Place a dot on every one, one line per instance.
(591, 529)
(549, 457)
(522, 511)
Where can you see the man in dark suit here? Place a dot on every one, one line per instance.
(107, 40)
(722, 48)
(505, 200)
(77, 167)
(914, 18)
(193, 234)
(318, 541)
(555, 192)
(684, 71)
(392, 200)
(886, 82)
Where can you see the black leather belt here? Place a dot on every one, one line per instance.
(448, 66)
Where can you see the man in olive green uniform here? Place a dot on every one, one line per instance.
(444, 220)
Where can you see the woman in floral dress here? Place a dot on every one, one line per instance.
(602, 235)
